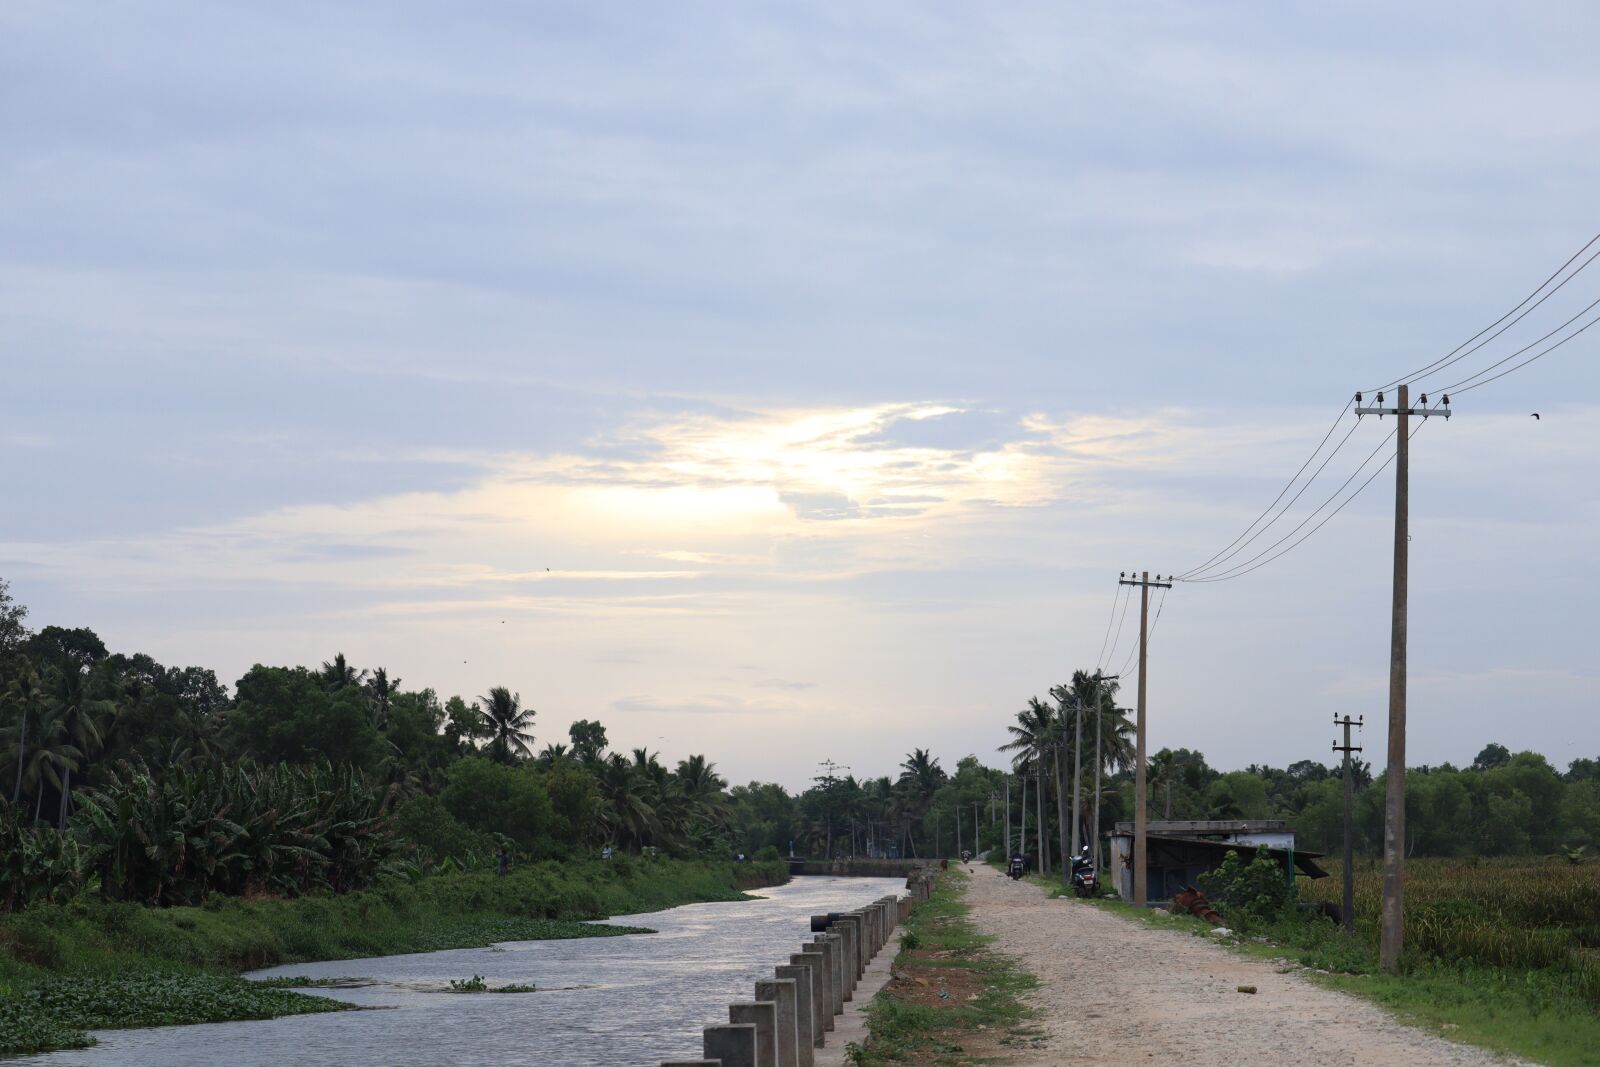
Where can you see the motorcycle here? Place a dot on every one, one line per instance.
(1017, 868)
(1085, 879)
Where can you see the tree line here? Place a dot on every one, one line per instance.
(264, 788)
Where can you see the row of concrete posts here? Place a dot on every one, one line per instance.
(792, 1012)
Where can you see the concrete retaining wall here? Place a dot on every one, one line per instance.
(793, 1012)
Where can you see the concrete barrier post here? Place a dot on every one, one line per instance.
(805, 1010)
(691, 1063)
(731, 1046)
(763, 1015)
(847, 955)
(831, 946)
(821, 993)
(784, 993)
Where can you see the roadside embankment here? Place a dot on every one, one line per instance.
(65, 968)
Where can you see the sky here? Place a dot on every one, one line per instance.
(791, 382)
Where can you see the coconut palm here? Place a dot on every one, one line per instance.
(339, 674)
(24, 697)
(628, 813)
(921, 774)
(82, 720)
(1034, 736)
(510, 725)
(381, 692)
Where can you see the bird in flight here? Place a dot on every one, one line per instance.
(1536, 415)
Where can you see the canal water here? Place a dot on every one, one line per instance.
(628, 1001)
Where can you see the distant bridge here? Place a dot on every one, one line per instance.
(856, 868)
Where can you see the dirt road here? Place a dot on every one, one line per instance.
(1112, 991)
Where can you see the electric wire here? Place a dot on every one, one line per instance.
(1507, 326)
(1462, 386)
(1334, 496)
(1149, 636)
(1452, 354)
(1285, 489)
(1285, 510)
(1101, 661)
(1116, 641)
(1381, 468)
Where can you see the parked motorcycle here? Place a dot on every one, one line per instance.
(1017, 868)
(1085, 879)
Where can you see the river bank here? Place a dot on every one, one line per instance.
(66, 968)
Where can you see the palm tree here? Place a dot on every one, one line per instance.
(510, 724)
(26, 696)
(552, 754)
(920, 772)
(338, 674)
(50, 761)
(80, 718)
(622, 789)
(1033, 736)
(381, 692)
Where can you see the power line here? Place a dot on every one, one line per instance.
(1148, 637)
(1118, 639)
(1113, 618)
(1292, 501)
(1452, 355)
(1248, 567)
(1468, 388)
(1285, 489)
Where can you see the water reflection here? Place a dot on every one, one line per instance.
(620, 1001)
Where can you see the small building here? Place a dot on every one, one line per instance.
(1180, 851)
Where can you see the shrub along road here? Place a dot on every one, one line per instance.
(1115, 991)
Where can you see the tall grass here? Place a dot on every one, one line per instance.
(1517, 914)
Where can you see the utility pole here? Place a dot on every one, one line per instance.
(1008, 817)
(1041, 827)
(1061, 808)
(1077, 778)
(1099, 733)
(958, 829)
(977, 805)
(936, 853)
(1349, 916)
(1141, 859)
(1394, 805)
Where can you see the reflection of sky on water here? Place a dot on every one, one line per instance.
(620, 1001)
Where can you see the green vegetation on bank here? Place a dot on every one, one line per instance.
(92, 963)
(1500, 954)
(953, 1000)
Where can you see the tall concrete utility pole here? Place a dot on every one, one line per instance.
(1099, 733)
(1349, 917)
(1008, 817)
(1077, 778)
(1141, 858)
(1394, 805)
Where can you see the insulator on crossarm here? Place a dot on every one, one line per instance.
(1424, 399)
(1358, 398)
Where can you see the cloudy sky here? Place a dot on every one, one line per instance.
(791, 381)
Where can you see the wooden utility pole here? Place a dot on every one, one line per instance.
(1394, 804)
(1141, 858)
(1349, 916)
(958, 828)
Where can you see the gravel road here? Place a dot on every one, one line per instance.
(1113, 991)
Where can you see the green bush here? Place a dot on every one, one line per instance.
(1245, 891)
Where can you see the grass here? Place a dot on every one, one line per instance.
(85, 965)
(1478, 967)
(952, 1000)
